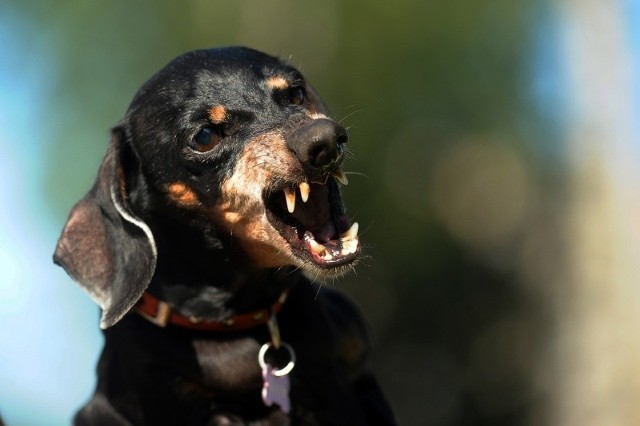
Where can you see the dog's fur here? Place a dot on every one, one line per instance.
(189, 206)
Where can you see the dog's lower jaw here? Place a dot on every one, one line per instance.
(254, 229)
(277, 252)
(264, 255)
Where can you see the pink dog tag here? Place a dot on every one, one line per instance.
(275, 389)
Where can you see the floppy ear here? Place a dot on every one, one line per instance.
(104, 246)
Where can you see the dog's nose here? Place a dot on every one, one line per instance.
(319, 144)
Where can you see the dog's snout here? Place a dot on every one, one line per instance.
(319, 144)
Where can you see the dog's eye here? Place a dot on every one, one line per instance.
(206, 139)
(297, 95)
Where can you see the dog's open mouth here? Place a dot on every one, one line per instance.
(310, 216)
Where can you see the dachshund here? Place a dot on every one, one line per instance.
(215, 213)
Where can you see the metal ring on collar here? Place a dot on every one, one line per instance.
(287, 368)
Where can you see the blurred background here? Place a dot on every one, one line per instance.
(495, 180)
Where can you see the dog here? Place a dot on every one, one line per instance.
(216, 210)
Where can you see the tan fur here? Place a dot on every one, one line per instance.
(218, 114)
(183, 195)
(241, 209)
(277, 82)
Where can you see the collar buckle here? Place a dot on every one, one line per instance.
(162, 315)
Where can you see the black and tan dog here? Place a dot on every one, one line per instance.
(217, 198)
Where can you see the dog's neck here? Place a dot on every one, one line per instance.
(203, 275)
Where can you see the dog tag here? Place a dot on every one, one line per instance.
(275, 389)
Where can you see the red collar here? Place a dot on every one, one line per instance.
(160, 313)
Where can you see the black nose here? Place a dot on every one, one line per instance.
(319, 144)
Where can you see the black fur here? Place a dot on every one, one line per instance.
(205, 229)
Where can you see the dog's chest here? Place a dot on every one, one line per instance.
(231, 364)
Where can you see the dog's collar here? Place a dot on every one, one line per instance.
(160, 313)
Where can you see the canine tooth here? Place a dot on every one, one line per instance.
(350, 233)
(349, 247)
(305, 189)
(290, 197)
(316, 247)
(341, 177)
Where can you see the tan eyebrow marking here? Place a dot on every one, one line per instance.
(277, 82)
(218, 114)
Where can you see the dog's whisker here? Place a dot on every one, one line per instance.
(357, 111)
(357, 174)
(318, 291)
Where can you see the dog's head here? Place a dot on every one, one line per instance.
(230, 137)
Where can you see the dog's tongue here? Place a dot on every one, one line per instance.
(315, 215)
(325, 233)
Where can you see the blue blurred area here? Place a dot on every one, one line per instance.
(44, 333)
(632, 27)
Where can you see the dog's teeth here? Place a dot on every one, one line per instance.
(316, 247)
(290, 197)
(351, 233)
(349, 247)
(305, 189)
(341, 177)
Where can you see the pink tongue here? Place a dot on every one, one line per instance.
(315, 215)
(324, 233)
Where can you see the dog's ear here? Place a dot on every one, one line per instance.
(104, 246)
